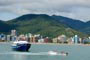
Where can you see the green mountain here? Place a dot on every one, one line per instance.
(42, 24)
(74, 24)
(87, 28)
(4, 27)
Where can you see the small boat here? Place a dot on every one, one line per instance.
(21, 46)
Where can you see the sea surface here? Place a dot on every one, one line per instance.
(38, 52)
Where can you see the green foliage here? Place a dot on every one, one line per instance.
(41, 24)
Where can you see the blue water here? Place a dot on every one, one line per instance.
(76, 52)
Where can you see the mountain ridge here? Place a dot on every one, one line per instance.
(42, 24)
(75, 24)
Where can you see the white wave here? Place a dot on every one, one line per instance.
(27, 53)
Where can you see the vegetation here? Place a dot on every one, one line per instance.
(74, 24)
(41, 24)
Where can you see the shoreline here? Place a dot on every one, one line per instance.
(51, 44)
(54, 43)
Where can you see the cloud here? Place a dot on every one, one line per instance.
(77, 9)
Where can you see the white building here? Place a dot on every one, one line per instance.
(13, 33)
(76, 39)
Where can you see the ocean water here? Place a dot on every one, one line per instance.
(39, 52)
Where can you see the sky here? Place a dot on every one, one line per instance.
(76, 9)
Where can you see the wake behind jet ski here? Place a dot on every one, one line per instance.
(57, 53)
(52, 52)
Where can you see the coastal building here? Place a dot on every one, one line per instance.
(86, 40)
(37, 38)
(2, 37)
(89, 38)
(13, 38)
(41, 40)
(32, 39)
(55, 40)
(28, 37)
(21, 37)
(46, 40)
(8, 38)
(61, 39)
(13, 33)
(70, 40)
(80, 40)
(75, 39)
(83, 40)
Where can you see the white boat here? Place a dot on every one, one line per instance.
(21, 45)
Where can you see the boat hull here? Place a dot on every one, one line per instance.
(21, 47)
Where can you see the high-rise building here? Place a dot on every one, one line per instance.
(13, 33)
(76, 39)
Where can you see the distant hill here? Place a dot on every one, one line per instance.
(75, 24)
(42, 24)
(4, 27)
(86, 29)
